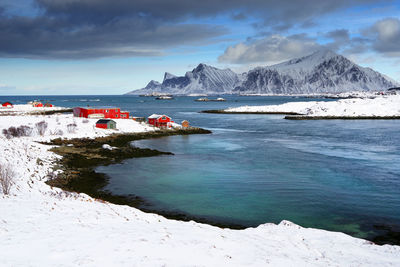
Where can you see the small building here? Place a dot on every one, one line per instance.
(48, 105)
(100, 112)
(37, 104)
(160, 120)
(185, 124)
(106, 124)
(7, 105)
(393, 91)
(139, 119)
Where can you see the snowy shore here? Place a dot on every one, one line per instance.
(44, 226)
(382, 106)
(27, 109)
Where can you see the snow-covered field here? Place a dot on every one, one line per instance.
(44, 226)
(382, 106)
(27, 108)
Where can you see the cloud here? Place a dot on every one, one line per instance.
(342, 42)
(274, 11)
(382, 37)
(49, 38)
(6, 88)
(98, 28)
(385, 36)
(271, 49)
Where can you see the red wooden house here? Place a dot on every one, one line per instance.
(37, 104)
(160, 120)
(101, 112)
(7, 105)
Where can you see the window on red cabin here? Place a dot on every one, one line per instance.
(163, 118)
(107, 110)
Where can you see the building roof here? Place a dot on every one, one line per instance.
(156, 116)
(104, 121)
(98, 107)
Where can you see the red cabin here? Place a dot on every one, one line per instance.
(100, 113)
(106, 124)
(37, 104)
(7, 105)
(160, 120)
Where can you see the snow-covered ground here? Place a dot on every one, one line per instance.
(44, 226)
(382, 106)
(27, 108)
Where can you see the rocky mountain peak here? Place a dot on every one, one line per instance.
(168, 76)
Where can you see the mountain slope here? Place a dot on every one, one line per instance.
(321, 72)
(202, 79)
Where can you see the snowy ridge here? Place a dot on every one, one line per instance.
(321, 72)
(45, 226)
(203, 79)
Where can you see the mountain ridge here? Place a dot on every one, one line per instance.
(320, 72)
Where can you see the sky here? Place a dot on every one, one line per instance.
(95, 47)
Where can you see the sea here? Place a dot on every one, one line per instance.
(338, 175)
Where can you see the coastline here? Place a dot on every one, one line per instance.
(305, 117)
(221, 111)
(378, 108)
(55, 226)
(38, 111)
(80, 157)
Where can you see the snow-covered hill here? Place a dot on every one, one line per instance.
(321, 72)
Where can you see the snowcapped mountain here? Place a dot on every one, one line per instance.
(202, 79)
(321, 72)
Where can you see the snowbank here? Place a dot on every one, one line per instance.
(27, 108)
(382, 106)
(44, 226)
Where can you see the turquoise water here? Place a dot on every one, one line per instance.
(253, 169)
(335, 175)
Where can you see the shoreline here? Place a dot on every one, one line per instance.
(221, 111)
(11, 112)
(81, 156)
(305, 117)
(298, 116)
(76, 226)
(378, 108)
